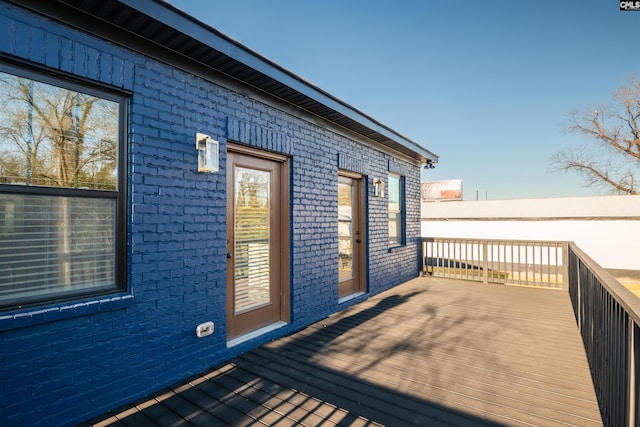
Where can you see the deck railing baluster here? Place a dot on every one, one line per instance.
(515, 262)
(607, 316)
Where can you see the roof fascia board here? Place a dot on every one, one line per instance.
(173, 17)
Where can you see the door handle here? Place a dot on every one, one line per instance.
(358, 240)
(229, 255)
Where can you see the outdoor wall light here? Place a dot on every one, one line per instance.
(208, 153)
(378, 187)
(429, 164)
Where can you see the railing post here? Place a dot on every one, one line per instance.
(485, 262)
(631, 370)
(578, 294)
(423, 254)
(565, 266)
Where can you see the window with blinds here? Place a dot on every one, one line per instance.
(396, 209)
(61, 189)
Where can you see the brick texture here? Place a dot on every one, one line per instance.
(64, 364)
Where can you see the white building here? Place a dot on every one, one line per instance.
(606, 227)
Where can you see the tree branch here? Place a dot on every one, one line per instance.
(597, 175)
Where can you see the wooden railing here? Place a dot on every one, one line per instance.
(607, 314)
(515, 262)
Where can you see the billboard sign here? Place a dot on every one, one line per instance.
(436, 191)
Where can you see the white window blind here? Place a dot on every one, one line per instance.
(50, 245)
(252, 242)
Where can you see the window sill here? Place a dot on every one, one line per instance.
(396, 248)
(37, 316)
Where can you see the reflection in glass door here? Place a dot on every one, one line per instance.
(257, 264)
(351, 236)
(345, 230)
(252, 240)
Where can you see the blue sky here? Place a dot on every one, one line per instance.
(486, 85)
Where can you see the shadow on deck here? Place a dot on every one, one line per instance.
(429, 352)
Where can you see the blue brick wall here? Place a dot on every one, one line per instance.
(65, 363)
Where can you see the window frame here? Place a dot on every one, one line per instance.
(120, 194)
(401, 211)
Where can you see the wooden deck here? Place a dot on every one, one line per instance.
(430, 352)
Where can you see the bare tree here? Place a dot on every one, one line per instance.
(614, 161)
(65, 138)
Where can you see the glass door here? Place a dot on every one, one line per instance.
(255, 230)
(351, 236)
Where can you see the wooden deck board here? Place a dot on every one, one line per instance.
(429, 352)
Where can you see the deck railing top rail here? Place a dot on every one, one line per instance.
(483, 240)
(622, 295)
